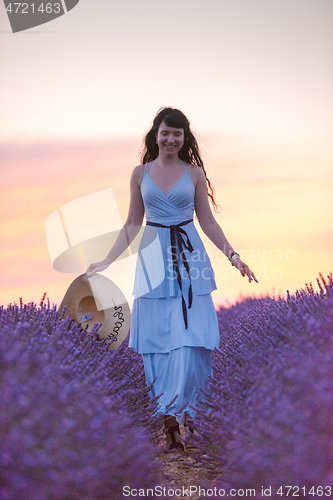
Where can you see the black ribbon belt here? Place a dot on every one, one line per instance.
(176, 239)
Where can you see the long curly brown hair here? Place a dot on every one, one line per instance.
(190, 151)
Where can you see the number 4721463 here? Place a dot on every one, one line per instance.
(295, 491)
(23, 8)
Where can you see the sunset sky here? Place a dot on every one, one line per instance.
(255, 79)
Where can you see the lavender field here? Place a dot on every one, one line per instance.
(75, 418)
(76, 422)
(270, 413)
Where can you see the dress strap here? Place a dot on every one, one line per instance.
(147, 168)
(150, 165)
(185, 169)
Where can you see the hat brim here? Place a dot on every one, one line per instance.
(98, 300)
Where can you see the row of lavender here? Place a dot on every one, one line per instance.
(268, 419)
(75, 419)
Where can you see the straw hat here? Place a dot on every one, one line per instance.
(98, 300)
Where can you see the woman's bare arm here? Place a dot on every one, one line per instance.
(131, 227)
(205, 216)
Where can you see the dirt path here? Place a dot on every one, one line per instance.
(182, 470)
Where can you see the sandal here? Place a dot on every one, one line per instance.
(189, 432)
(171, 432)
(190, 425)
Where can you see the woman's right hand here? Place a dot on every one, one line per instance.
(96, 267)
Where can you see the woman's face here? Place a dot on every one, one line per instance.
(170, 140)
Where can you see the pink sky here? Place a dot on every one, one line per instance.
(280, 225)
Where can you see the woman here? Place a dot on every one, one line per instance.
(174, 322)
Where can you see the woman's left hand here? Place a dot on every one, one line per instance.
(244, 269)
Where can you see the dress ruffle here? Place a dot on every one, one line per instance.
(157, 324)
(183, 373)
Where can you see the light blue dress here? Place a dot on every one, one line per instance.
(177, 353)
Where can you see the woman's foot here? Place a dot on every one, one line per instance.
(190, 431)
(189, 426)
(172, 433)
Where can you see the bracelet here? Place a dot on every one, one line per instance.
(233, 257)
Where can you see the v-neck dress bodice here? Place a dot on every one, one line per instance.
(155, 275)
(172, 208)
